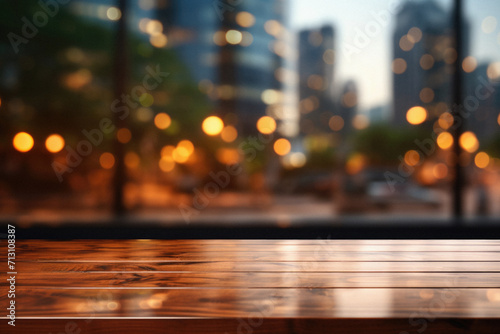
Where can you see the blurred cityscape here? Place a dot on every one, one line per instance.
(230, 109)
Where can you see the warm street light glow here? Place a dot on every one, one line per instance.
(167, 151)
(54, 143)
(107, 160)
(440, 171)
(469, 142)
(166, 164)
(444, 140)
(132, 160)
(469, 64)
(124, 135)
(234, 37)
(23, 142)
(229, 134)
(212, 125)
(113, 13)
(282, 146)
(412, 158)
(482, 160)
(266, 125)
(162, 121)
(445, 120)
(245, 19)
(185, 148)
(416, 115)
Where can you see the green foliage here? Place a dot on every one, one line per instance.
(383, 144)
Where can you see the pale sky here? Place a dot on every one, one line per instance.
(369, 66)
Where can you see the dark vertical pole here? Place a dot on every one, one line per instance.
(458, 120)
(120, 84)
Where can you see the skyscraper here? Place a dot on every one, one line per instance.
(233, 52)
(316, 58)
(423, 54)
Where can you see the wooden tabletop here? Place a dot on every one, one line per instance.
(279, 285)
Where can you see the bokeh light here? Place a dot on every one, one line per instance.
(266, 125)
(482, 160)
(399, 66)
(234, 37)
(360, 122)
(107, 160)
(489, 24)
(469, 142)
(166, 164)
(179, 155)
(23, 142)
(167, 151)
(426, 95)
(123, 135)
(212, 125)
(355, 164)
(158, 40)
(162, 121)
(282, 146)
(444, 140)
(113, 13)
(469, 64)
(185, 148)
(412, 158)
(270, 96)
(493, 71)
(229, 134)
(245, 19)
(297, 159)
(445, 120)
(132, 160)
(405, 44)
(336, 123)
(440, 171)
(416, 115)
(414, 35)
(426, 61)
(227, 156)
(54, 143)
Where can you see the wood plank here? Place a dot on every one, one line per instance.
(235, 266)
(85, 246)
(159, 255)
(266, 303)
(251, 280)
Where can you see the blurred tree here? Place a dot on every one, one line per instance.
(383, 144)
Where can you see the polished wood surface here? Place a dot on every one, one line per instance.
(389, 286)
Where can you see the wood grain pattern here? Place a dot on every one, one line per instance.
(259, 280)
(257, 286)
(231, 266)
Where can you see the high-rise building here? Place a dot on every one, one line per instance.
(315, 69)
(232, 51)
(423, 58)
(347, 108)
(481, 103)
